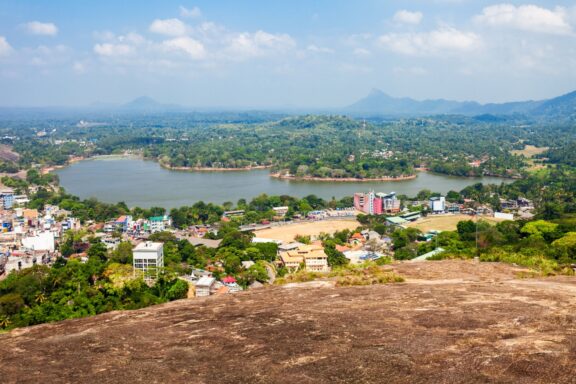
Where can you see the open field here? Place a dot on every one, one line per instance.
(288, 232)
(530, 151)
(451, 322)
(445, 222)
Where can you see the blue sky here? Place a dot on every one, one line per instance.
(296, 53)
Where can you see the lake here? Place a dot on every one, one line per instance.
(145, 184)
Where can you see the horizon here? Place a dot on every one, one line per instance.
(257, 55)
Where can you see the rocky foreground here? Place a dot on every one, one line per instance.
(451, 322)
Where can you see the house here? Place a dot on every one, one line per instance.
(356, 239)
(280, 211)
(148, 259)
(312, 256)
(123, 223)
(205, 286)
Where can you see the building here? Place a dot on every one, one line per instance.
(312, 256)
(123, 223)
(7, 198)
(159, 223)
(205, 286)
(148, 259)
(437, 204)
(377, 203)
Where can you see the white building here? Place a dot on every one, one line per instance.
(44, 241)
(204, 286)
(148, 259)
(438, 204)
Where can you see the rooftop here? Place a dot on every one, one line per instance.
(148, 246)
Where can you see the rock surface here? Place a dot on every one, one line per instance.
(451, 322)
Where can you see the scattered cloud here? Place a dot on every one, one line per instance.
(407, 17)
(43, 29)
(245, 44)
(192, 13)
(187, 45)
(5, 48)
(531, 18)
(168, 27)
(442, 40)
(111, 50)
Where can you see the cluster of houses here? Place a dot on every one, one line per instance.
(126, 224)
(29, 236)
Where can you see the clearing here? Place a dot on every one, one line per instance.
(445, 222)
(529, 151)
(451, 322)
(287, 233)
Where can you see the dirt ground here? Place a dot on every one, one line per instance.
(445, 222)
(451, 322)
(287, 233)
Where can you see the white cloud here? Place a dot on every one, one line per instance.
(191, 13)
(317, 49)
(44, 29)
(442, 40)
(5, 48)
(188, 45)
(169, 27)
(79, 67)
(407, 17)
(259, 43)
(530, 18)
(110, 50)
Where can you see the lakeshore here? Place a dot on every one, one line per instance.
(343, 179)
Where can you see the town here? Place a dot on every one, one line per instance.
(32, 237)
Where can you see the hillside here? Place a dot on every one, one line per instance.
(457, 322)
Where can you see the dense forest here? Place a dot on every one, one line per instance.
(303, 146)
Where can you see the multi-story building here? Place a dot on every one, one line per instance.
(377, 203)
(148, 259)
(437, 204)
(7, 198)
(159, 223)
(312, 256)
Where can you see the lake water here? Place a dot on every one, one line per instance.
(144, 183)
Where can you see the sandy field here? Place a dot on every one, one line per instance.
(445, 222)
(287, 233)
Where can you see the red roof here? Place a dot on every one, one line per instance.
(121, 219)
(357, 236)
(228, 279)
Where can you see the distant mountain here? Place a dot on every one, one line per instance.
(378, 103)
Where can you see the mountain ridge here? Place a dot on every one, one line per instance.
(379, 103)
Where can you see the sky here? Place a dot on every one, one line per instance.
(283, 53)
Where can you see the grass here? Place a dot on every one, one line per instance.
(541, 264)
(368, 273)
(529, 151)
(445, 222)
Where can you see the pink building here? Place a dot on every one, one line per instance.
(376, 204)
